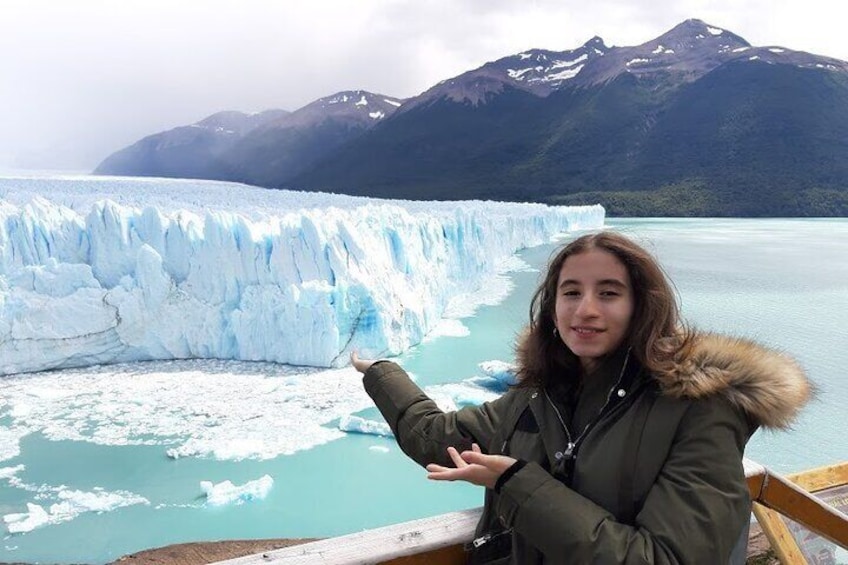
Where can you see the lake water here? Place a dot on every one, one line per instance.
(781, 282)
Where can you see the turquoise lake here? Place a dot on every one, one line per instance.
(782, 282)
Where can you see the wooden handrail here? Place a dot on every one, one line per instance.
(790, 500)
(439, 539)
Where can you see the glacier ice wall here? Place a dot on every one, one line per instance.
(90, 281)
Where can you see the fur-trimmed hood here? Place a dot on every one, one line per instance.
(770, 386)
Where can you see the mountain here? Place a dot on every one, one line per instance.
(262, 149)
(279, 149)
(694, 122)
(192, 151)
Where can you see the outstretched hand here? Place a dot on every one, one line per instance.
(471, 466)
(360, 365)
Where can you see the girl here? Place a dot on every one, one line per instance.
(623, 441)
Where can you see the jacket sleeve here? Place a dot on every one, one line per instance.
(422, 430)
(694, 512)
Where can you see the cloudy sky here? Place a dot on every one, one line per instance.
(82, 78)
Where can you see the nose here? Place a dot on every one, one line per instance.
(587, 308)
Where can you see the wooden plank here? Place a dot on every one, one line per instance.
(817, 516)
(379, 545)
(779, 536)
(452, 555)
(822, 477)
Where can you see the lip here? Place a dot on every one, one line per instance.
(584, 331)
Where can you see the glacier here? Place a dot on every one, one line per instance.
(98, 270)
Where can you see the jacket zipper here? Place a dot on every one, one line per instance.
(573, 444)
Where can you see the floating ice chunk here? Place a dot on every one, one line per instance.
(359, 425)
(502, 372)
(228, 493)
(9, 472)
(71, 504)
(456, 395)
(76, 502)
(379, 448)
(10, 438)
(34, 517)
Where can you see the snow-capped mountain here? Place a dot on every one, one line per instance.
(538, 71)
(278, 150)
(687, 51)
(697, 111)
(264, 149)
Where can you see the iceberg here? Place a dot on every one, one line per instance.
(227, 493)
(34, 517)
(499, 375)
(96, 271)
(360, 425)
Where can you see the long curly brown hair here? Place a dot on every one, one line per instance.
(656, 333)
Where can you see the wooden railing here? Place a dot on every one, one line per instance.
(438, 540)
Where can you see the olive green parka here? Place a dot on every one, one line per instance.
(657, 477)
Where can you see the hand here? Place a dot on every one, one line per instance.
(360, 365)
(471, 466)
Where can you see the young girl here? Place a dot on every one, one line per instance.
(623, 441)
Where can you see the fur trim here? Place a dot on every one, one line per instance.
(769, 386)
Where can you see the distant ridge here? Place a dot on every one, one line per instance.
(694, 122)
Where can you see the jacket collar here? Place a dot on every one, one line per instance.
(768, 385)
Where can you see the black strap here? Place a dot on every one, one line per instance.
(626, 500)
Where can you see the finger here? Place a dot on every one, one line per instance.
(440, 477)
(354, 358)
(439, 473)
(435, 468)
(474, 457)
(476, 448)
(456, 457)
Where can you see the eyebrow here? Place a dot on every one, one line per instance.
(602, 282)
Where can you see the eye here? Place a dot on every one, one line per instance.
(571, 293)
(610, 293)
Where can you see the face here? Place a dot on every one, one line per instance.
(594, 305)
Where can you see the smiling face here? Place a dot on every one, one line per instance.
(594, 305)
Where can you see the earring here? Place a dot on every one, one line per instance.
(556, 333)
